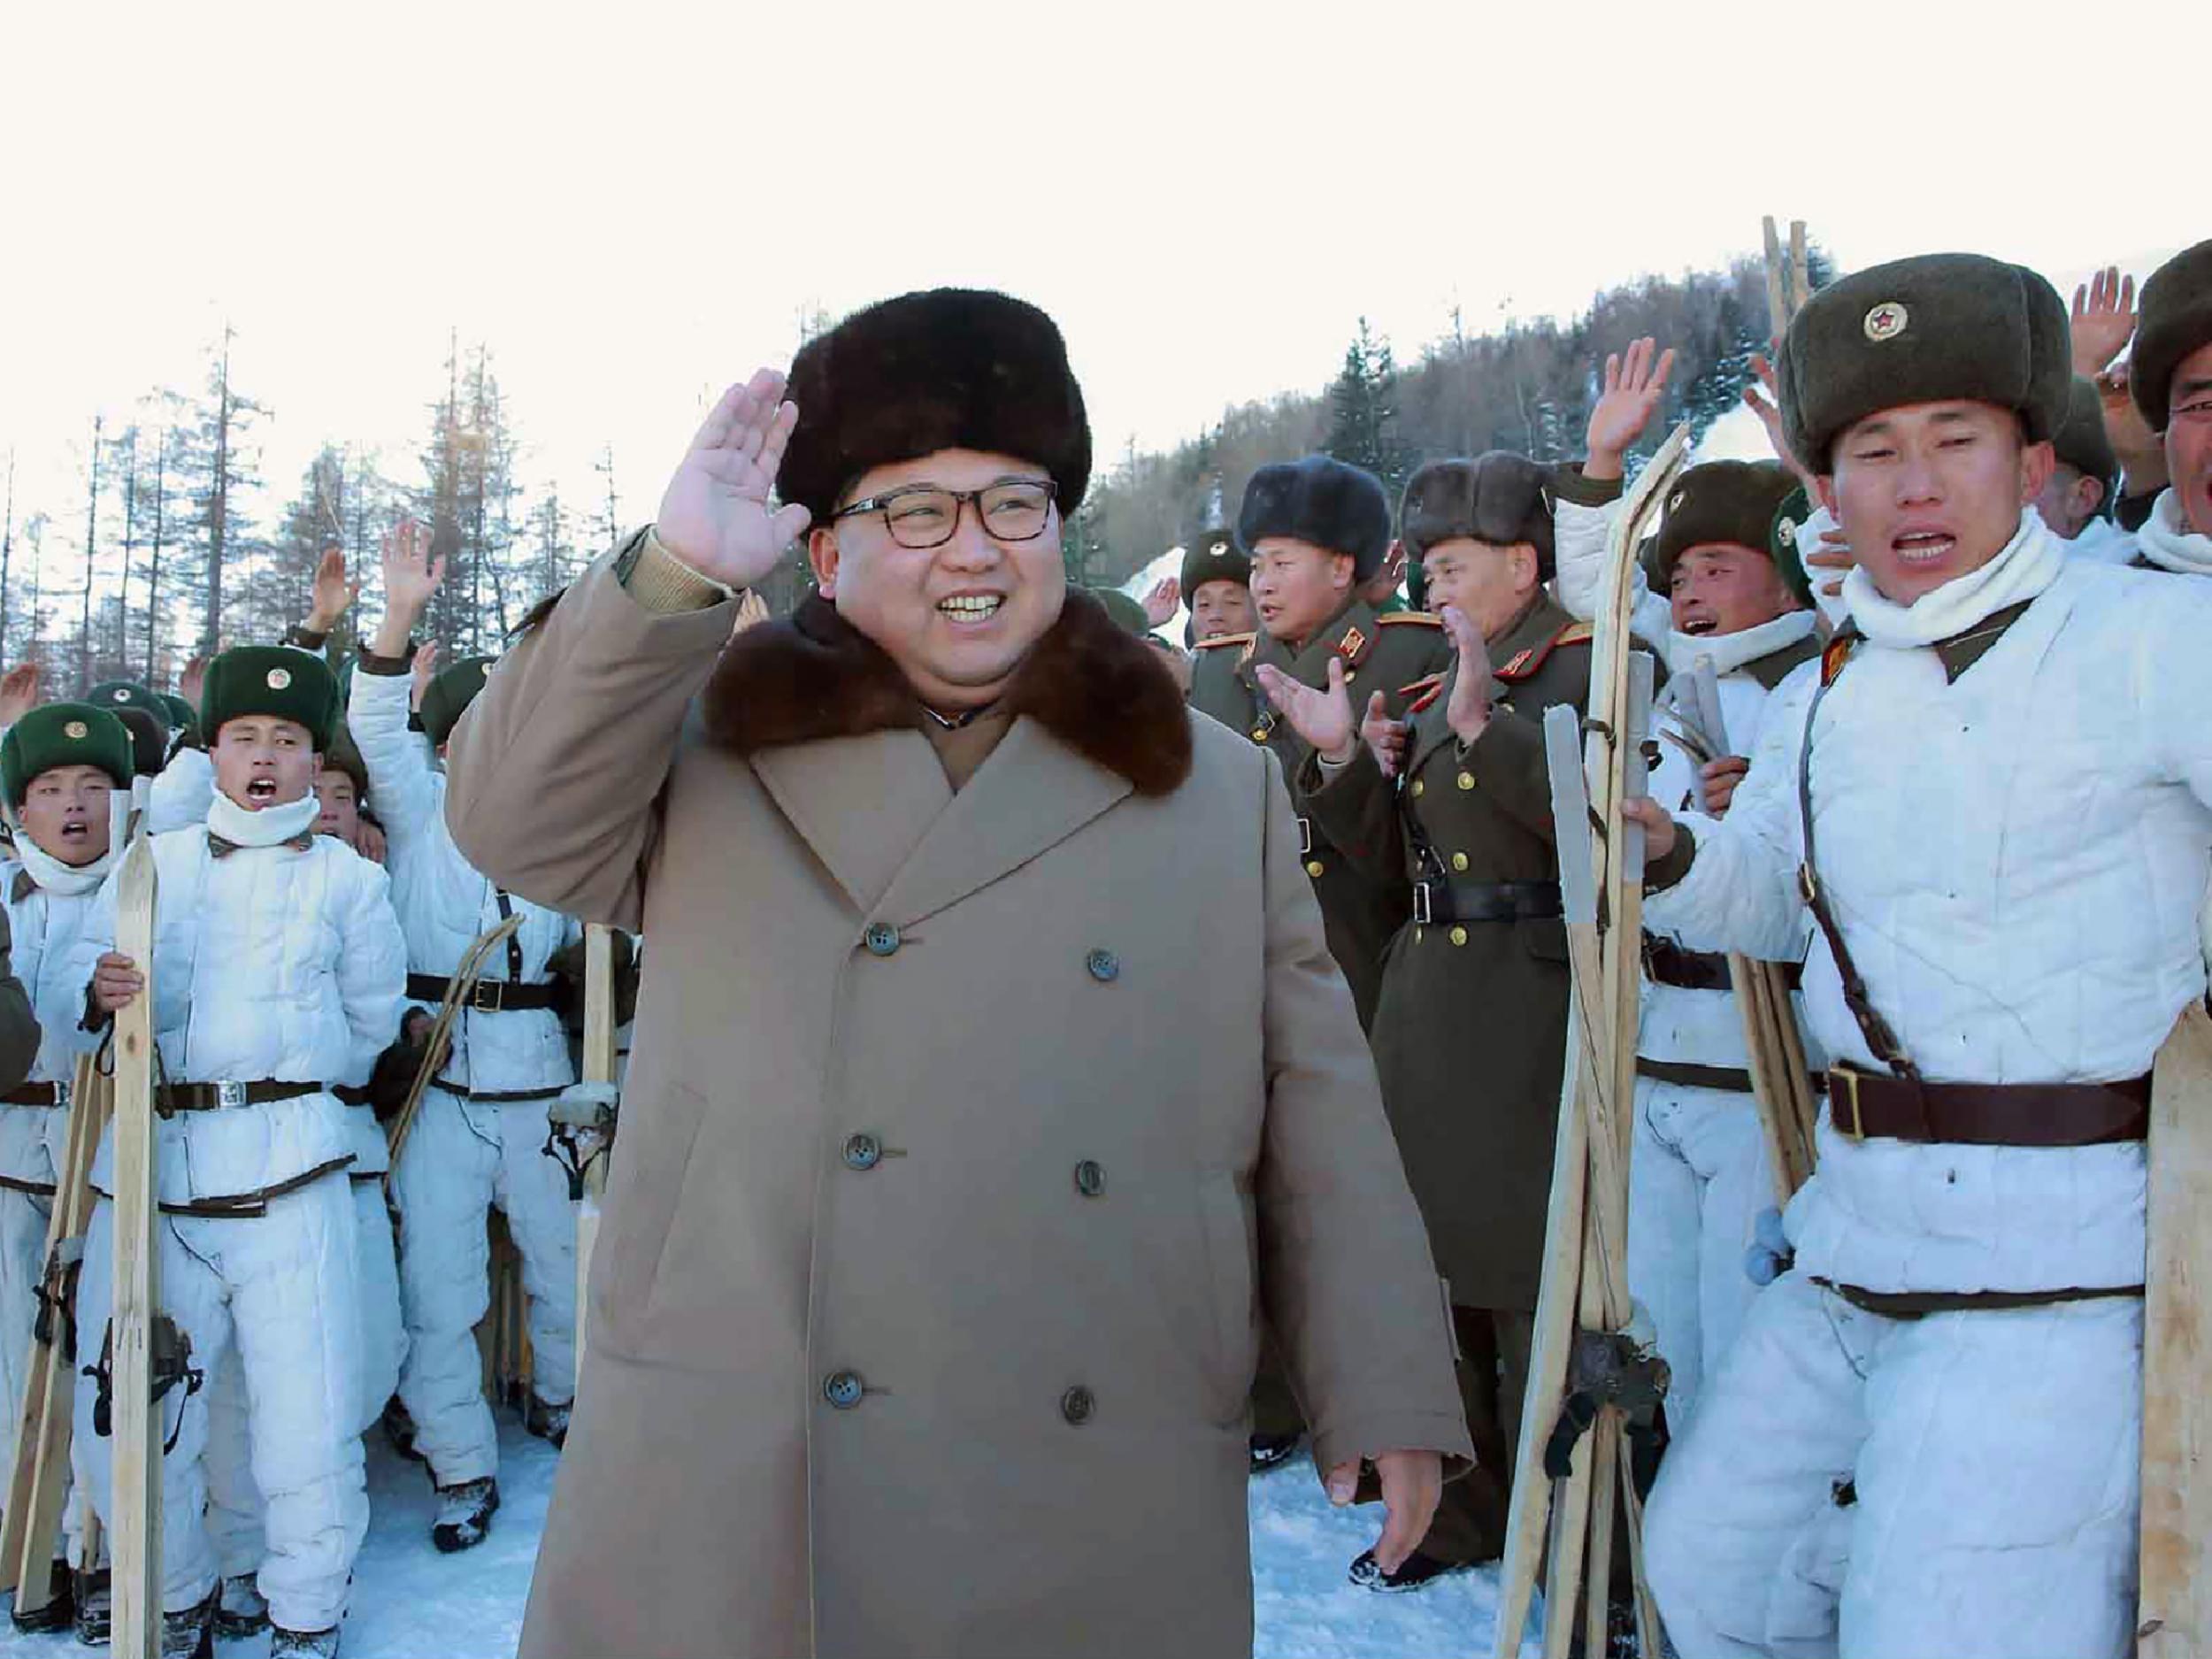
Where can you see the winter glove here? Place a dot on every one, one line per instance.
(1769, 1255)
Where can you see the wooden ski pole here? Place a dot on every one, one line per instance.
(135, 1506)
(459, 987)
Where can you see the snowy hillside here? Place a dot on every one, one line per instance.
(411, 1602)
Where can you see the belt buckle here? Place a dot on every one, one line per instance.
(484, 996)
(1422, 913)
(230, 1093)
(1305, 838)
(1856, 1130)
(61, 1095)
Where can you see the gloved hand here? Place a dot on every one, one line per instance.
(1769, 1254)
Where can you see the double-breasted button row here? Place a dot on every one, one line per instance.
(843, 1389)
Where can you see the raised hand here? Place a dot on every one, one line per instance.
(1635, 383)
(1322, 718)
(193, 681)
(714, 514)
(1467, 713)
(411, 574)
(18, 692)
(2103, 319)
(1833, 554)
(335, 592)
(424, 669)
(1766, 403)
(1159, 604)
(2141, 451)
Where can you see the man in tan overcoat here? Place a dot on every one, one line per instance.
(925, 1304)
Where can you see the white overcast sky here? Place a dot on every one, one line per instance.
(632, 204)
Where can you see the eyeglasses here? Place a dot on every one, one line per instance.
(923, 515)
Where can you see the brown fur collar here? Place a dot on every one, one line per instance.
(1104, 693)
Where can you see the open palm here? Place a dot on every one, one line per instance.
(714, 515)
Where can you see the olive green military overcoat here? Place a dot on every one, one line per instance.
(1385, 653)
(1469, 1032)
(925, 1307)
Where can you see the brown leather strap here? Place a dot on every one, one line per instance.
(501, 1096)
(487, 996)
(1918, 1304)
(37, 1094)
(1866, 1104)
(1731, 1078)
(172, 1098)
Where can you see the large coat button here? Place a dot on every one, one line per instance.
(1076, 1405)
(1104, 966)
(1090, 1179)
(1459, 861)
(843, 1389)
(863, 1152)
(882, 939)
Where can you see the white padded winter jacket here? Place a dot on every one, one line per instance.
(2015, 859)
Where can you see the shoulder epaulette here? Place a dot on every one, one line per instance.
(1422, 691)
(1524, 664)
(1226, 639)
(1422, 618)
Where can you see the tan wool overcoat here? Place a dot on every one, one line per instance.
(927, 1295)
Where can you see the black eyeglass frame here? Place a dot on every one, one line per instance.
(961, 498)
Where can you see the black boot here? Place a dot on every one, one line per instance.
(302, 1644)
(546, 1421)
(1418, 1572)
(191, 1634)
(61, 1603)
(240, 1610)
(96, 1607)
(1272, 1451)
(399, 1430)
(464, 1514)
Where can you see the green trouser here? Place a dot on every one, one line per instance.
(1470, 1518)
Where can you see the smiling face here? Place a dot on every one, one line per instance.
(2189, 438)
(261, 761)
(1929, 492)
(65, 813)
(1297, 586)
(1723, 587)
(1488, 584)
(958, 619)
(1221, 608)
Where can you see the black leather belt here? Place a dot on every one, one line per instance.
(37, 1094)
(1437, 900)
(489, 996)
(500, 1097)
(172, 1098)
(1666, 962)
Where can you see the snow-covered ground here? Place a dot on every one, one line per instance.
(411, 1602)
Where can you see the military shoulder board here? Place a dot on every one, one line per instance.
(1421, 692)
(1410, 619)
(1224, 639)
(1524, 664)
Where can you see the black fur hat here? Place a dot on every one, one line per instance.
(2175, 320)
(1501, 498)
(1321, 500)
(948, 369)
(1923, 330)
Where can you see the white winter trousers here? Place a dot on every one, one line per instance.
(457, 1162)
(272, 1297)
(1995, 1460)
(30, 1137)
(383, 1330)
(1697, 1183)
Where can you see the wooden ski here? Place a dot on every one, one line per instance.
(30, 1527)
(2175, 1607)
(134, 1505)
(1584, 1287)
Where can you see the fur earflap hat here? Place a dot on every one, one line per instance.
(1730, 501)
(1499, 498)
(274, 681)
(2174, 319)
(2081, 440)
(1321, 500)
(949, 368)
(1214, 556)
(64, 734)
(1923, 330)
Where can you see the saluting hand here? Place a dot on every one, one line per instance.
(1322, 718)
(1412, 1485)
(714, 515)
(1467, 713)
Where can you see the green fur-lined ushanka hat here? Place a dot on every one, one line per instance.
(274, 681)
(1730, 503)
(62, 734)
(1213, 555)
(1782, 537)
(184, 719)
(448, 696)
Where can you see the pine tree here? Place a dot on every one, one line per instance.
(218, 470)
(1362, 412)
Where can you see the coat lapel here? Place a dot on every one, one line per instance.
(862, 804)
(1031, 794)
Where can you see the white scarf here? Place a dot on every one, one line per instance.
(1732, 651)
(2030, 563)
(2167, 542)
(244, 827)
(53, 876)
